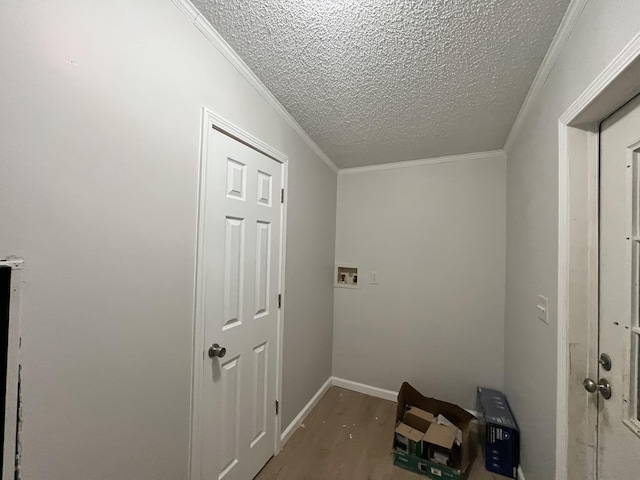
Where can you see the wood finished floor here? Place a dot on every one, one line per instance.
(347, 436)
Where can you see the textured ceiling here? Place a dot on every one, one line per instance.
(376, 81)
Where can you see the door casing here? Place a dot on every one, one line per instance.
(578, 192)
(13, 419)
(219, 123)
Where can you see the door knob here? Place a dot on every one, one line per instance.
(602, 386)
(216, 350)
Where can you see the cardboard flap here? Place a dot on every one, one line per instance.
(411, 433)
(403, 429)
(418, 419)
(440, 435)
(410, 396)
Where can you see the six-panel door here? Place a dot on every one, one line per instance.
(240, 257)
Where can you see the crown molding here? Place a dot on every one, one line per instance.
(569, 21)
(187, 8)
(426, 161)
(629, 54)
(202, 24)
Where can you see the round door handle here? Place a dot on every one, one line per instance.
(216, 350)
(602, 386)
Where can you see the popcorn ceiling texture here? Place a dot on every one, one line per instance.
(376, 81)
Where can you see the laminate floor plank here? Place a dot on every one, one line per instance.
(348, 436)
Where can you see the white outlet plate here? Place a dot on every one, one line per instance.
(542, 308)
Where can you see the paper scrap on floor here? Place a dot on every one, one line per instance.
(442, 420)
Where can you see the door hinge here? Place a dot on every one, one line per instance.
(277, 407)
(279, 300)
(282, 196)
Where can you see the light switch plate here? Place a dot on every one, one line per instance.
(373, 278)
(542, 308)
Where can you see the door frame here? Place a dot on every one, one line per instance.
(209, 118)
(578, 190)
(12, 415)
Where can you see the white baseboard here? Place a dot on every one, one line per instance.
(293, 426)
(375, 391)
(349, 385)
(520, 474)
(366, 389)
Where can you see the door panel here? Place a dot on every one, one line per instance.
(238, 255)
(230, 393)
(265, 189)
(233, 268)
(259, 394)
(618, 425)
(263, 265)
(236, 182)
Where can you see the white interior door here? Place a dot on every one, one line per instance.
(239, 257)
(619, 330)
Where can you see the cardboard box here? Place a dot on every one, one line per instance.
(423, 467)
(461, 458)
(419, 419)
(439, 441)
(499, 433)
(409, 440)
(410, 431)
(441, 419)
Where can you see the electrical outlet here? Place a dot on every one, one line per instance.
(542, 308)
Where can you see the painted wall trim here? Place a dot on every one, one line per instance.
(306, 410)
(282, 284)
(245, 137)
(11, 449)
(366, 389)
(187, 8)
(562, 362)
(611, 88)
(520, 473)
(390, 395)
(567, 25)
(425, 161)
(202, 24)
(617, 66)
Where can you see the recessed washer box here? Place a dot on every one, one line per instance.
(346, 276)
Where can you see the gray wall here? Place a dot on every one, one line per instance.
(308, 329)
(604, 28)
(436, 236)
(99, 147)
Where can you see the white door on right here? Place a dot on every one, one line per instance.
(619, 323)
